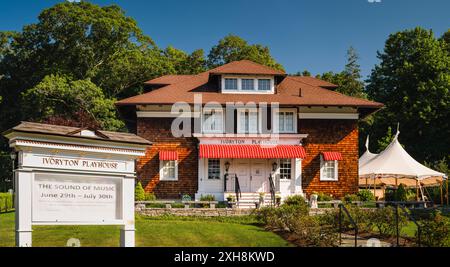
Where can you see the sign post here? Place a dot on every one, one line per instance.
(74, 181)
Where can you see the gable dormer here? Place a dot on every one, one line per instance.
(248, 84)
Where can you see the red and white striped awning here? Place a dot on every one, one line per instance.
(168, 155)
(251, 151)
(331, 156)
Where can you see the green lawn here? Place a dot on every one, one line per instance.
(196, 232)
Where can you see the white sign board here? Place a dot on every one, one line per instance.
(76, 198)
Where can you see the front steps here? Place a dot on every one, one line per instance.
(248, 200)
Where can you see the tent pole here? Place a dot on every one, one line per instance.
(442, 197)
(417, 190)
(446, 181)
(374, 187)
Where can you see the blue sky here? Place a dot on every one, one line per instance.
(302, 34)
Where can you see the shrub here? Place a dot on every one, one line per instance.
(6, 202)
(150, 196)
(365, 195)
(384, 220)
(295, 200)
(323, 196)
(400, 193)
(435, 230)
(310, 232)
(139, 193)
(207, 198)
(349, 198)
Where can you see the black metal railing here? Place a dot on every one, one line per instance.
(237, 188)
(343, 208)
(225, 179)
(272, 189)
(411, 218)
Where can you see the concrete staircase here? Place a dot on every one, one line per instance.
(248, 200)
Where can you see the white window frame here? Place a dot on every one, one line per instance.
(207, 170)
(161, 171)
(255, 90)
(323, 172)
(240, 129)
(275, 119)
(291, 168)
(216, 112)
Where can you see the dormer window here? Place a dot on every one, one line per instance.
(248, 84)
(264, 84)
(231, 84)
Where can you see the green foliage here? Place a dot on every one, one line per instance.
(384, 141)
(383, 220)
(183, 63)
(6, 202)
(233, 48)
(349, 198)
(139, 193)
(365, 195)
(439, 165)
(435, 230)
(321, 196)
(349, 80)
(149, 196)
(295, 200)
(413, 81)
(58, 95)
(207, 198)
(401, 193)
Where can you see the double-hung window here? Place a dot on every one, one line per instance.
(213, 121)
(285, 168)
(328, 170)
(231, 84)
(213, 169)
(248, 121)
(248, 84)
(286, 122)
(168, 170)
(264, 84)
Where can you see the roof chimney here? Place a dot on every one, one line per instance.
(300, 92)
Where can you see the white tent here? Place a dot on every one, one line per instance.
(367, 156)
(395, 161)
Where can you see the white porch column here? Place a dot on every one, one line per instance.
(23, 181)
(298, 176)
(127, 231)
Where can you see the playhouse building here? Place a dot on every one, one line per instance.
(246, 128)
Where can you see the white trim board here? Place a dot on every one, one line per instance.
(336, 116)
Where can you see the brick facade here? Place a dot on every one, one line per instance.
(157, 130)
(330, 135)
(323, 135)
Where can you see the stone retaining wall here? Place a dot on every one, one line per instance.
(206, 212)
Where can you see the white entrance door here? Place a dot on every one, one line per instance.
(258, 175)
(243, 173)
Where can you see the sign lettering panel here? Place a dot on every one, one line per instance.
(76, 198)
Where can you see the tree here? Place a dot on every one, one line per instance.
(349, 80)
(446, 39)
(413, 81)
(81, 41)
(139, 192)
(183, 63)
(59, 95)
(233, 48)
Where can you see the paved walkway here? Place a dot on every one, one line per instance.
(349, 241)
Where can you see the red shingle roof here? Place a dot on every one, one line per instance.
(314, 81)
(168, 79)
(294, 91)
(245, 67)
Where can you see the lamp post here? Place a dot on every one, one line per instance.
(13, 159)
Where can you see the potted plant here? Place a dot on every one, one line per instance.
(277, 199)
(261, 198)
